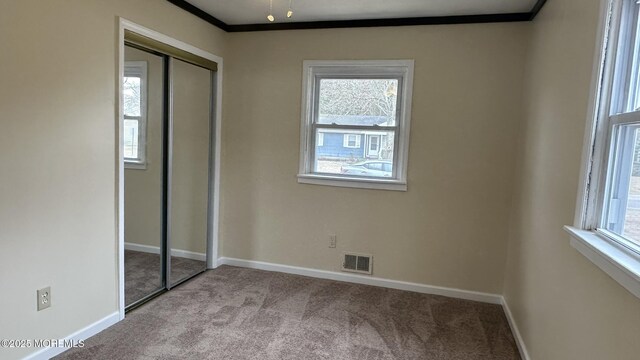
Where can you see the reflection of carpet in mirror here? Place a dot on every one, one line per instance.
(233, 313)
(142, 273)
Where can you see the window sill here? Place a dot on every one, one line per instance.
(340, 181)
(135, 165)
(622, 264)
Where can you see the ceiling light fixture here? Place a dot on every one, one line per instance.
(270, 16)
(290, 12)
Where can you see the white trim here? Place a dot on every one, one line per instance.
(364, 183)
(622, 264)
(82, 334)
(129, 165)
(188, 254)
(174, 252)
(524, 354)
(212, 246)
(401, 69)
(120, 168)
(365, 280)
(590, 162)
(213, 241)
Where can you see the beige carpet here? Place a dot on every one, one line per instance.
(235, 313)
(142, 273)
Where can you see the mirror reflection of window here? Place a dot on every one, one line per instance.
(134, 100)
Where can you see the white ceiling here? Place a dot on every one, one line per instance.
(235, 12)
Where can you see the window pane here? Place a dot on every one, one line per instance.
(631, 228)
(131, 91)
(627, 80)
(370, 158)
(131, 139)
(623, 210)
(358, 102)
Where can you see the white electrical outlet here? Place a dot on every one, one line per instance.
(333, 239)
(44, 298)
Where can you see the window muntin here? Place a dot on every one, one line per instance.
(362, 113)
(134, 109)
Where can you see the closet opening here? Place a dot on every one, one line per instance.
(168, 163)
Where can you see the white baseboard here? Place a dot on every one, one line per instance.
(142, 248)
(82, 334)
(174, 252)
(514, 329)
(365, 280)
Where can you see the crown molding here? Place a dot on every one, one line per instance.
(412, 21)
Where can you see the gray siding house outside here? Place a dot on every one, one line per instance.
(350, 144)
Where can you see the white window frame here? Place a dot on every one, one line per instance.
(320, 139)
(357, 141)
(138, 69)
(313, 70)
(617, 256)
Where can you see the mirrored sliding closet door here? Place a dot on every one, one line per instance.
(189, 178)
(143, 102)
(167, 146)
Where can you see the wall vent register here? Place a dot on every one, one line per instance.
(357, 263)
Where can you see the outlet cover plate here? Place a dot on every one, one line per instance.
(333, 239)
(44, 298)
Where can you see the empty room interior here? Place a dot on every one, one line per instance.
(303, 179)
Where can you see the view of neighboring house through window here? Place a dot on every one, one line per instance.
(352, 113)
(134, 101)
(357, 118)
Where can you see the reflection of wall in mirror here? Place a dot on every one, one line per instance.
(190, 173)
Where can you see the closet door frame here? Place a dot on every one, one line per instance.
(214, 144)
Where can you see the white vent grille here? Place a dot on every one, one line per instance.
(360, 263)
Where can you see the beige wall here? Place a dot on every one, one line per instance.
(57, 149)
(449, 229)
(565, 307)
(143, 187)
(57, 152)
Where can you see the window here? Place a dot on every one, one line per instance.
(135, 113)
(374, 143)
(607, 228)
(351, 141)
(353, 112)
